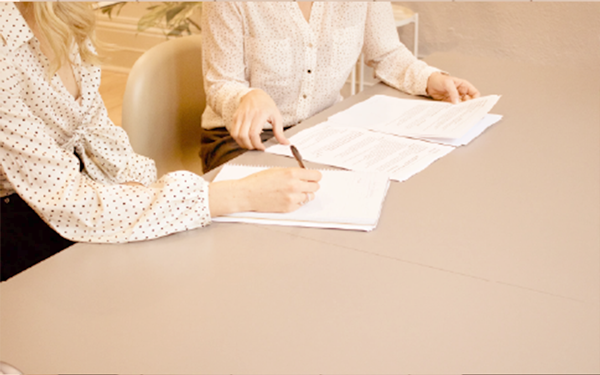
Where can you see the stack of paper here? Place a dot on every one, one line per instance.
(399, 137)
(345, 200)
(416, 118)
(363, 150)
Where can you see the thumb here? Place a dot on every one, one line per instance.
(451, 90)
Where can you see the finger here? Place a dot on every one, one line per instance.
(294, 182)
(473, 92)
(278, 130)
(255, 139)
(308, 186)
(466, 88)
(236, 130)
(256, 128)
(310, 175)
(254, 134)
(300, 199)
(299, 180)
(308, 197)
(304, 198)
(451, 91)
(243, 137)
(463, 91)
(461, 87)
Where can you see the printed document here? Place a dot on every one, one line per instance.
(363, 150)
(473, 133)
(416, 118)
(345, 200)
(399, 137)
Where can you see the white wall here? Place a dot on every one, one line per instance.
(546, 33)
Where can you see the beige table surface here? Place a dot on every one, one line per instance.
(487, 261)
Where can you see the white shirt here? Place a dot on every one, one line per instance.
(301, 65)
(42, 125)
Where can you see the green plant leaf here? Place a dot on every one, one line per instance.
(108, 10)
(173, 17)
(174, 11)
(178, 31)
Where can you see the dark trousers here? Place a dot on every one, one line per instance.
(218, 147)
(26, 238)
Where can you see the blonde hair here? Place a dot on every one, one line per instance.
(64, 24)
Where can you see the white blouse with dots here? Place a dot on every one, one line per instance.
(301, 65)
(42, 127)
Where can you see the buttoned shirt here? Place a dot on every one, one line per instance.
(42, 127)
(301, 64)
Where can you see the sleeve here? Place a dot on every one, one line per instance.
(106, 151)
(77, 207)
(394, 64)
(223, 61)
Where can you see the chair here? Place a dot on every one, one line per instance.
(163, 104)
(403, 16)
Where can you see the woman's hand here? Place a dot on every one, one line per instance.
(271, 190)
(255, 109)
(450, 89)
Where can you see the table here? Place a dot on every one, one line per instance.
(487, 261)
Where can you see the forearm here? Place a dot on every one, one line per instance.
(223, 62)
(225, 197)
(271, 190)
(394, 64)
(83, 210)
(405, 74)
(123, 213)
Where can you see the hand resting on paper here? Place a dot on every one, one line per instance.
(450, 89)
(256, 108)
(271, 190)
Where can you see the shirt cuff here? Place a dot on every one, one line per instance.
(421, 86)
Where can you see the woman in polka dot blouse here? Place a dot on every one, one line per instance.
(270, 65)
(67, 174)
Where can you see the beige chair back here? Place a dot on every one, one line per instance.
(163, 104)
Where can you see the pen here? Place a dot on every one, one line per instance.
(297, 156)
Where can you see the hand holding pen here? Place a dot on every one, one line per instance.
(297, 156)
(309, 196)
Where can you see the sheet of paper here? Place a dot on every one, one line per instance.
(376, 110)
(345, 200)
(473, 133)
(416, 118)
(362, 150)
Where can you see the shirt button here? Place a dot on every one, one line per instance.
(304, 96)
(309, 71)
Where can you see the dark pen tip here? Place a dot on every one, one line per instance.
(297, 156)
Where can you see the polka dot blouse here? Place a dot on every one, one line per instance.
(42, 128)
(301, 65)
